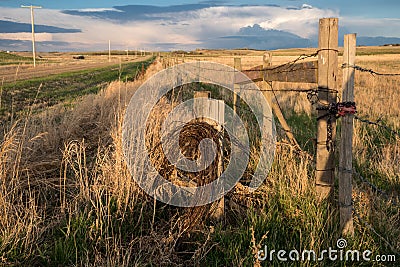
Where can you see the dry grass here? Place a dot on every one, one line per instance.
(67, 196)
(53, 162)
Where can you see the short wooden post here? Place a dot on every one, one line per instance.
(237, 64)
(216, 110)
(327, 88)
(267, 59)
(346, 140)
(267, 62)
(109, 50)
(205, 94)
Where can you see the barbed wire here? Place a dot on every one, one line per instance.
(377, 123)
(376, 189)
(312, 96)
(372, 229)
(287, 64)
(371, 71)
(285, 67)
(290, 63)
(312, 92)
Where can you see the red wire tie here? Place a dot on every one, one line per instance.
(344, 110)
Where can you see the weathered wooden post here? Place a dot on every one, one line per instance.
(237, 64)
(214, 109)
(267, 62)
(346, 140)
(327, 93)
(109, 50)
(267, 59)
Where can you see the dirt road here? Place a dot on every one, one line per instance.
(12, 73)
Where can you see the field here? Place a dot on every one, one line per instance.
(18, 66)
(50, 83)
(67, 197)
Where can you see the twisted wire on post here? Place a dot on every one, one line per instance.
(377, 123)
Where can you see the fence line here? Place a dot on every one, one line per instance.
(329, 110)
(312, 92)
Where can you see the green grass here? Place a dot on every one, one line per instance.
(375, 139)
(10, 59)
(66, 87)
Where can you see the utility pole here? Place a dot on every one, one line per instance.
(33, 32)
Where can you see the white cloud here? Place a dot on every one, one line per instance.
(98, 10)
(303, 22)
(190, 29)
(187, 28)
(26, 36)
(306, 6)
(372, 27)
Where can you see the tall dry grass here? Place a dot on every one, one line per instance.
(376, 150)
(67, 197)
(61, 165)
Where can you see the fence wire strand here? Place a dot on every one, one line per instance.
(377, 123)
(371, 71)
(376, 189)
(372, 229)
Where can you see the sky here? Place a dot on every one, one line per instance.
(88, 25)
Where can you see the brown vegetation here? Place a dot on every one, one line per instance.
(67, 197)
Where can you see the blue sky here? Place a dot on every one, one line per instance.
(77, 24)
(362, 8)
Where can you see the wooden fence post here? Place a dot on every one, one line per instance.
(267, 59)
(198, 75)
(216, 110)
(346, 140)
(267, 62)
(327, 93)
(237, 63)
